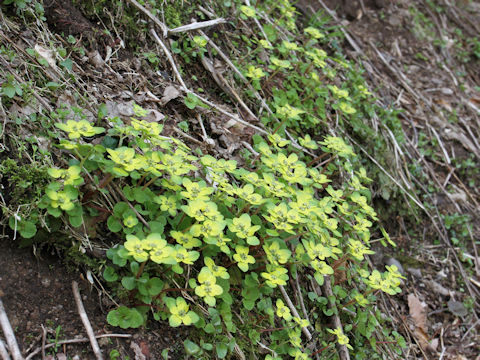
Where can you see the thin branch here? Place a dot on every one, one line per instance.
(86, 322)
(160, 24)
(3, 351)
(44, 340)
(139, 216)
(74, 341)
(8, 333)
(294, 311)
(342, 349)
(197, 25)
(169, 57)
(300, 297)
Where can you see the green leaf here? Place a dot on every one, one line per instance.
(207, 346)
(109, 274)
(253, 240)
(319, 277)
(140, 195)
(128, 282)
(222, 350)
(55, 212)
(75, 221)
(209, 329)
(9, 90)
(134, 267)
(27, 229)
(191, 101)
(120, 208)
(53, 85)
(328, 312)
(114, 225)
(67, 64)
(109, 142)
(70, 191)
(165, 354)
(191, 348)
(248, 304)
(153, 287)
(156, 227)
(125, 318)
(102, 111)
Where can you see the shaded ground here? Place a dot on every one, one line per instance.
(37, 295)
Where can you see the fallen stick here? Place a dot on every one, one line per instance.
(197, 25)
(327, 289)
(44, 340)
(74, 341)
(3, 351)
(294, 311)
(86, 322)
(8, 332)
(160, 24)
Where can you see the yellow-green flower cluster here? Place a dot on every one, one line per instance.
(155, 248)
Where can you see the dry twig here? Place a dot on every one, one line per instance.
(74, 341)
(3, 351)
(294, 311)
(197, 25)
(8, 333)
(86, 322)
(342, 349)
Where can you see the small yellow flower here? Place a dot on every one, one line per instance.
(242, 226)
(136, 248)
(208, 287)
(76, 129)
(180, 312)
(217, 271)
(341, 337)
(283, 311)
(181, 255)
(282, 64)
(358, 249)
(248, 11)
(290, 46)
(313, 32)
(187, 240)
(347, 108)
(255, 73)
(242, 258)
(276, 276)
(275, 254)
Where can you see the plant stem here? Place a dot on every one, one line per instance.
(318, 158)
(150, 182)
(140, 270)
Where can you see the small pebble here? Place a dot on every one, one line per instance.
(415, 272)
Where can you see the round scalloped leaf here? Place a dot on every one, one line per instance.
(113, 224)
(125, 318)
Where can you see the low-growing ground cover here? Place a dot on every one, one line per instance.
(238, 202)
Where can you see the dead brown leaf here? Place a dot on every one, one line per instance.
(419, 316)
(170, 93)
(417, 312)
(47, 54)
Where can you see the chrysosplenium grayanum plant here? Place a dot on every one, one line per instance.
(204, 242)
